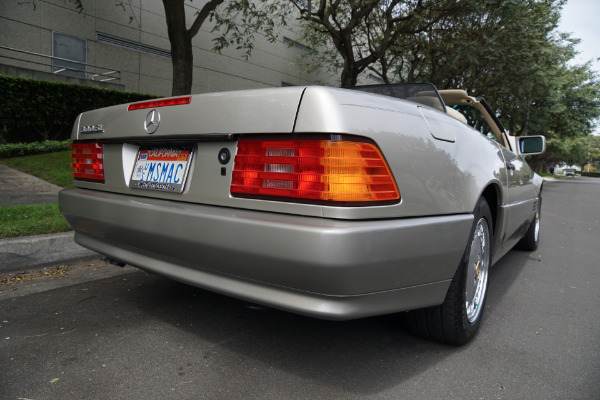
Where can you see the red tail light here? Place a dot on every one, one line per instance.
(88, 161)
(160, 103)
(344, 172)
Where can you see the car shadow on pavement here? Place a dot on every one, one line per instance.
(138, 321)
(362, 356)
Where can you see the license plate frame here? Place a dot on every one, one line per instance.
(162, 168)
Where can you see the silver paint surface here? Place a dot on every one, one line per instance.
(306, 258)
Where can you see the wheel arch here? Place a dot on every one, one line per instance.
(492, 194)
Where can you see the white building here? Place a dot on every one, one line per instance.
(131, 48)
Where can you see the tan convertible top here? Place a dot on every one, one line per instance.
(459, 97)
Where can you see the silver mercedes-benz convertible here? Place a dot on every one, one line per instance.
(332, 203)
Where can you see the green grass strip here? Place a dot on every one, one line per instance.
(52, 167)
(35, 219)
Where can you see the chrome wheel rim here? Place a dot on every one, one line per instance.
(477, 270)
(536, 232)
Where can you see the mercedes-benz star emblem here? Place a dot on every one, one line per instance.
(152, 121)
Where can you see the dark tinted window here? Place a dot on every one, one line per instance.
(422, 93)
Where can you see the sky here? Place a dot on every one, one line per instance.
(580, 18)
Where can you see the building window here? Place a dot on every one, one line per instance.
(299, 46)
(71, 48)
(131, 45)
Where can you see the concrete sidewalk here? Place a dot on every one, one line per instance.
(23, 253)
(17, 188)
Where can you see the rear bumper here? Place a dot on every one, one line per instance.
(319, 267)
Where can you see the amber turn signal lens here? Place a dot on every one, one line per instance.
(319, 170)
(87, 161)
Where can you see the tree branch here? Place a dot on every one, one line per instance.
(202, 15)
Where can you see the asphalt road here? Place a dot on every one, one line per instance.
(98, 332)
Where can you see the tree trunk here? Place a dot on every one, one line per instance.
(348, 78)
(182, 57)
(183, 65)
(349, 72)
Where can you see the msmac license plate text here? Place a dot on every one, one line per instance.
(162, 168)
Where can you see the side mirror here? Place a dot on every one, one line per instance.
(531, 145)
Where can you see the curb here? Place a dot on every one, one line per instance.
(22, 253)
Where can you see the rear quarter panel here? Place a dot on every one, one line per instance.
(434, 177)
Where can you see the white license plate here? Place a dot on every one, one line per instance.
(162, 168)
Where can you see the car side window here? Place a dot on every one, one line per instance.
(476, 120)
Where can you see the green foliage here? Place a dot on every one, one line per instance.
(591, 174)
(594, 149)
(352, 36)
(32, 110)
(578, 150)
(24, 149)
(570, 150)
(238, 21)
(24, 220)
(35, 219)
(508, 51)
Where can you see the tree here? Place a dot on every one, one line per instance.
(594, 151)
(180, 37)
(511, 53)
(352, 35)
(237, 21)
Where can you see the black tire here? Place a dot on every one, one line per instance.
(530, 241)
(455, 321)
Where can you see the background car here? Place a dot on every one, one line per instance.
(332, 203)
(570, 172)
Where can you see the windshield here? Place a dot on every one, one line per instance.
(423, 93)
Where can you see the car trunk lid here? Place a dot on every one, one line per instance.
(212, 114)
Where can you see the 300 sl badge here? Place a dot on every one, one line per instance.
(98, 128)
